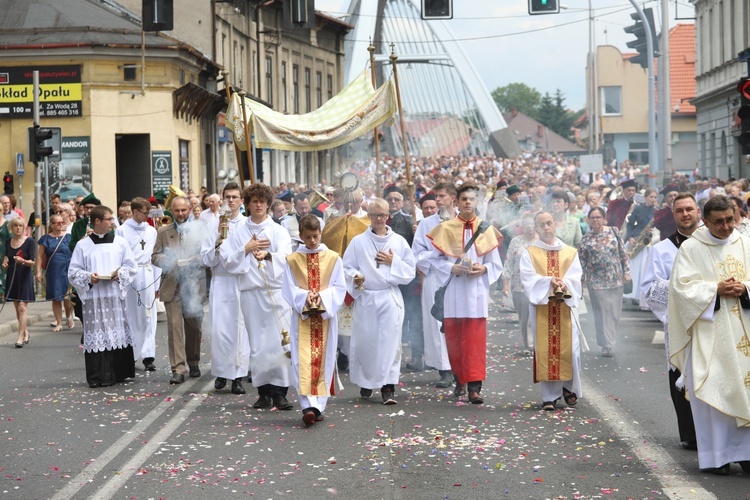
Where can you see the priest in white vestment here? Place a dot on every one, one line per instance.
(256, 252)
(435, 348)
(230, 347)
(141, 298)
(314, 281)
(101, 269)
(709, 321)
(547, 266)
(655, 291)
(375, 263)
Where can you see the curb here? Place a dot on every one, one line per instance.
(12, 326)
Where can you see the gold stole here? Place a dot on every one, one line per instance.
(553, 356)
(312, 272)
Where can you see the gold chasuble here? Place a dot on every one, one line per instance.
(312, 272)
(553, 356)
(338, 232)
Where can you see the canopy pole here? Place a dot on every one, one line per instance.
(379, 183)
(409, 184)
(248, 140)
(237, 153)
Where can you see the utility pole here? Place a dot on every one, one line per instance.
(38, 169)
(665, 97)
(592, 112)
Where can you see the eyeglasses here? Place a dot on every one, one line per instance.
(378, 216)
(60, 222)
(142, 212)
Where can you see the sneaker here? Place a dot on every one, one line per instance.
(264, 401)
(281, 403)
(388, 397)
(365, 393)
(195, 371)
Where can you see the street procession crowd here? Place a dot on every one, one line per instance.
(305, 282)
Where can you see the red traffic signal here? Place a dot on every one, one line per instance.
(8, 183)
(744, 115)
(744, 88)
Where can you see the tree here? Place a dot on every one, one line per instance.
(554, 114)
(519, 96)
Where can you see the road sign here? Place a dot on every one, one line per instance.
(19, 164)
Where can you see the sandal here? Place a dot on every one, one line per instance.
(548, 406)
(570, 397)
(71, 323)
(57, 328)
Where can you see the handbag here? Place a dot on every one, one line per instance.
(627, 286)
(438, 307)
(45, 259)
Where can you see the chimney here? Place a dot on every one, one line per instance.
(540, 130)
(514, 112)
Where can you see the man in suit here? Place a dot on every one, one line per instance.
(183, 288)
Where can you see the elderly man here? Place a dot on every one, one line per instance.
(212, 212)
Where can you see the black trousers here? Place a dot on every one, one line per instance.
(685, 423)
(272, 390)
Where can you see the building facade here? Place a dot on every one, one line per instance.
(722, 32)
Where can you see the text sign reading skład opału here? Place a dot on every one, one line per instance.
(59, 86)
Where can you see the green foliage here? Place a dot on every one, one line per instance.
(547, 110)
(519, 96)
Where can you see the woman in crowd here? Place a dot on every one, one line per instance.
(605, 266)
(4, 236)
(638, 233)
(54, 249)
(19, 261)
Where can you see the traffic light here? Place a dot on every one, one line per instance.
(8, 183)
(639, 44)
(744, 115)
(38, 151)
(544, 7)
(157, 15)
(437, 9)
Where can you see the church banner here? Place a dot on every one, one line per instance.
(357, 109)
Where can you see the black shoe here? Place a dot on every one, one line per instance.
(281, 403)
(719, 471)
(308, 417)
(177, 378)
(220, 383)
(417, 365)
(446, 379)
(475, 398)
(745, 464)
(388, 397)
(459, 391)
(237, 386)
(264, 401)
(689, 445)
(148, 364)
(195, 372)
(365, 393)
(343, 362)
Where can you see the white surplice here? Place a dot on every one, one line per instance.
(710, 347)
(375, 351)
(332, 299)
(537, 288)
(104, 308)
(435, 348)
(264, 311)
(655, 284)
(141, 297)
(230, 346)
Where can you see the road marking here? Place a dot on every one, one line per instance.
(658, 337)
(675, 481)
(100, 463)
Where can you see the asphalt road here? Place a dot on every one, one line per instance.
(146, 439)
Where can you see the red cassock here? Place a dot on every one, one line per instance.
(617, 210)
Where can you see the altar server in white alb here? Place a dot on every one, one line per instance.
(101, 269)
(435, 348)
(256, 252)
(375, 263)
(315, 287)
(230, 347)
(142, 295)
(709, 322)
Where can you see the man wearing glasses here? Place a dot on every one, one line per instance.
(708, 340)
(142, 296)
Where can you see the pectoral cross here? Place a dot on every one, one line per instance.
(143, 245)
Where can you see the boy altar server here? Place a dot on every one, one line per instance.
(315, 287)
(375, 263)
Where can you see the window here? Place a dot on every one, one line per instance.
(295, 88)
(242, 64)
(235, 76)
(184, 165)
(319, 87)
(128, 72)
(330, 87)
(638, 153)
(611, 100)
(307, 90)
(284, 99)
(269, 80)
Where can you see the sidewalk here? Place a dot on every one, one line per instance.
(36, 312)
